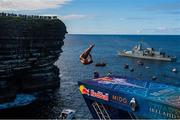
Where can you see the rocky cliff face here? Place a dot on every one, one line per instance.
(28, 49)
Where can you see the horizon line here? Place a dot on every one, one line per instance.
(121, 34)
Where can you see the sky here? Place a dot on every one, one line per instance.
(105, 16)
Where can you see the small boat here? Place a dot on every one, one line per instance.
(154, 77)
(174, 70)
(100, 64)
(126, 66)
(67, 114)
(147, 67)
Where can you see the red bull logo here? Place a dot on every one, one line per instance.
(83, 90)
(100, 95)
(92, 93)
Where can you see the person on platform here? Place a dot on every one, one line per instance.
(96, 75)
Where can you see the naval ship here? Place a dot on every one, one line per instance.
(117, 97)
(147, 53)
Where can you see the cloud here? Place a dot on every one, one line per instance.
(138, 31)
(135, 18)
(172, 6)
(122, 19)
(164, 6)
(177, 19)
(160, 30)
(174, 12)
(73, 16)
(167, 8)
(30, 4)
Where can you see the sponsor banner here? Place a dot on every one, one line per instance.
(119, 99)
(162, 111)
(93, 93)
(117, 81)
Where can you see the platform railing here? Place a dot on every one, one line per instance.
(101, 111)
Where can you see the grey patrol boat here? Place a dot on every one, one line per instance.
(147, 53)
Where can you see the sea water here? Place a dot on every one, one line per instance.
(106, 50)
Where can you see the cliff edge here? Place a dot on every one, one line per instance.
(29, 46)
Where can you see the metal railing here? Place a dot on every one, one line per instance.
(101, 111)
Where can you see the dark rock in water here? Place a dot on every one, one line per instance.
(28, 49)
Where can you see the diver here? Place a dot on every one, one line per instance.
(86, 57)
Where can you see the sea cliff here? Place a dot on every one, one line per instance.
(29, 46)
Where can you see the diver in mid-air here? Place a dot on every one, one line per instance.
(86, 57)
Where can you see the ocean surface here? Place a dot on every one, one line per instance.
(105, 50)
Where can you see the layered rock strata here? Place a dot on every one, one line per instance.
(28, 49)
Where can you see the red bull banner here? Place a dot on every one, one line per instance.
(92, 93)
